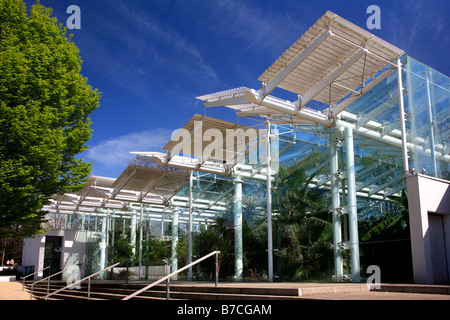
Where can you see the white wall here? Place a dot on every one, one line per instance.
(426, 195)
(73, 245)
(33, 253)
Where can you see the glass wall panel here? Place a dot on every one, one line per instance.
(301, 192)
(93, 261)
(429, 106)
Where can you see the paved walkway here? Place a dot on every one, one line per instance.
(346, 291)
(377, 295)
(13, 291)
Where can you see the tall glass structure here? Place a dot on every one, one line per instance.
(329, 176)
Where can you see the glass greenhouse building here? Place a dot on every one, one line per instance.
(351, 170)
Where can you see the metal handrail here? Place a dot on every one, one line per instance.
(175, 273)
(48, 280)
(23, 279)
(86, 278)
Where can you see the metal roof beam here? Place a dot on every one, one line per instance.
(221, 197)
(395, 190)
(387, 184)
(124, 182)
(225, 102)
(318, 167)
(332, 76)
(366, 88)
(288, 107)
(181, 162)
(150, 186)
(376, 111)
(206, 188)
(396, 142)
(107, 192)
(273, 83)
(367, 169)
(367, 183)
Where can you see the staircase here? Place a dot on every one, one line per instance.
(98, 291)
(157, 290)
(109, 290)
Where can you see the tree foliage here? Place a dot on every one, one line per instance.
(45, 104)
(304, 223)
(385, 240)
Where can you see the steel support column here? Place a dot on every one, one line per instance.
(431, 126)
(190, 225)
(107, 227)
(269, 206)
(133, 233)
(238, 247)
(174, 256)
(141, 225)
(401, 106)
(103, 244)
(352, 204)
(113, 231)
(335, 208)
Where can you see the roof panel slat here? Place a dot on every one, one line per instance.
(336, 48)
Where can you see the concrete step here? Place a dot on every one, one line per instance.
(193, 292)
(415, 288)
(96, 293)
(176, 293)
(118, 294)
(105, 290)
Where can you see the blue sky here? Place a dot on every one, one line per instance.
(151, 58)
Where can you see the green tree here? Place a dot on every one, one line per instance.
(393, 218)
(220, 237)
(385, 240)
(45, 104)
(158, 251)
(304, 223)
(121, 250)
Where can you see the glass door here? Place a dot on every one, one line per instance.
(52, 256)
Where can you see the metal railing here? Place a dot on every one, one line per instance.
(167, 278)
(89, 280)
(23, 279)
(48, 280)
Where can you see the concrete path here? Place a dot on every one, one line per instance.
(318, 291)
(13, 291)
(378, 295)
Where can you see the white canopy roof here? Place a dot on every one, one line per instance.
(335, 62)
(331, 60)
(210, 145)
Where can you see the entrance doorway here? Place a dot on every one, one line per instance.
(438, 250)
(52, 256)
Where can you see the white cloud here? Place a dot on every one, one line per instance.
(116, 151)
(256, 27)
(420, 23)
(155, 39)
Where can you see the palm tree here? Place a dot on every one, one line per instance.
(303, 220)
(385, 240)
(395, 215)
(218, 236)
